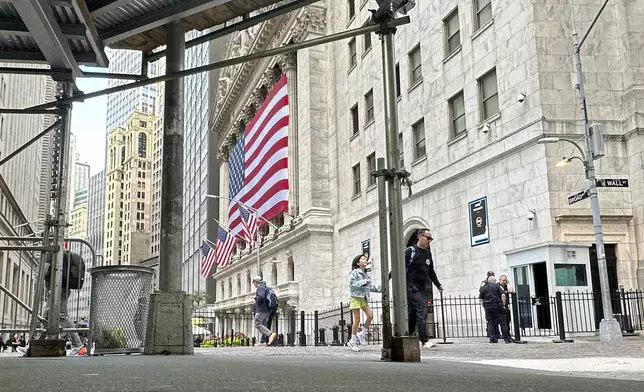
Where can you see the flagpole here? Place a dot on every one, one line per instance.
(249, 208)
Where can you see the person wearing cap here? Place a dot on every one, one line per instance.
(262, 312)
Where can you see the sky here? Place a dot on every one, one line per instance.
(88, 123)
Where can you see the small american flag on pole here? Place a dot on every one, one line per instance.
(207, 259)
(250, 225)
(225, 244)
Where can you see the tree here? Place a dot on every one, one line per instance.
(199, 298)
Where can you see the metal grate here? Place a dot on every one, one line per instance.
(119, 308)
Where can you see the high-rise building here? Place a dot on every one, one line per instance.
(128, 187)
(45, 163)
(157, 164)
(78, 222)
(120, 106)
(195, 165)
(20, 188)
(71, 173)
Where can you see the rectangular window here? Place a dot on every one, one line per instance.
(452, 32)
(371, 167)
(401, 150)
(418, 130)
(355, 120)
(367, 40)
(398, 91)
(415, 70)
(352, 8)
(483, 12)
(457, 114)
(368, 102)
(570, 275)
(353, 58)
(489, 96)
(356, 180)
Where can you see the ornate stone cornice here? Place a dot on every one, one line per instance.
(287, 61)
(311, 20)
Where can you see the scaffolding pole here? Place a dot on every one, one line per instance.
(29, 143)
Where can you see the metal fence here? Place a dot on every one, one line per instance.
(448, 317)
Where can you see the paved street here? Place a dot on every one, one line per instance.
(306, 369)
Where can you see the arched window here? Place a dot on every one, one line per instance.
(112, 163)
(230, 288)
(277, 71)
(143, 145)
(238, 285)
(249, 284)
(123, 155)
(223, 294)
(274, 275)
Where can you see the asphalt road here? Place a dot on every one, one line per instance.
(280, 373)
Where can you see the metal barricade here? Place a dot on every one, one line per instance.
(120, 299)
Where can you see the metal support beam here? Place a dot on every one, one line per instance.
(72, 31)
(92, 33)
(102, 7)
(60, 210)
(39, 18)
(29, 111)
(22, 330)
(234, 61)
(172, 172)
(23, 239)
(37, 57)
(28, 143)
(160, 18)
(244, 24)
(30, 248)
(54, 72)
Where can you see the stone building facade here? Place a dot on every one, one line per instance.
(479, 83)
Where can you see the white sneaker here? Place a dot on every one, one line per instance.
(362, 338)
(428, 344)
(22, 350)
(353, 345)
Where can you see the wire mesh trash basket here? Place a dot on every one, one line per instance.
(120, 299)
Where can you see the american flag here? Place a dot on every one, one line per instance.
(225, 245)
(250, 224)
(258, 162)
(207, 259)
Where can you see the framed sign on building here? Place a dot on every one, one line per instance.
(366, 247)
(479, 228)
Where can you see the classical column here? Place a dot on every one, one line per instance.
(223, 183)
(288, 64)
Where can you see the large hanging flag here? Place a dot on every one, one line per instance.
(258, 164)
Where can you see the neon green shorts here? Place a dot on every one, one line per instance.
(357, 303)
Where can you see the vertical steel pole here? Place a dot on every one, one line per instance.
(171, 251)
(60, 211)
(401, 327)
(40, 282)
(609, 328)
(259, 268)
(384, 263)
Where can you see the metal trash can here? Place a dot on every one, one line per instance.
(120, 299)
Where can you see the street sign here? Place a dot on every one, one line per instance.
(366, 247)
(579, 196)
(612, 183)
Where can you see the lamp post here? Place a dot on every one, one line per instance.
(609, 328)
(255, 212)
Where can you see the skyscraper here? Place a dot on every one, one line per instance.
(195, 165)
(157, 166)
(120, 106)
(128, 207)
(45, 162)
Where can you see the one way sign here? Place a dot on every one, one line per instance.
(579, 196)
(612, 183)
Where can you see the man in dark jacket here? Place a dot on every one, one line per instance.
(262, 312)
(420, 273)
(494, 303)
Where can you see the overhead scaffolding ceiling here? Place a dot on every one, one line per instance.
(69, 33)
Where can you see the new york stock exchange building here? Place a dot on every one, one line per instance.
(478, 84)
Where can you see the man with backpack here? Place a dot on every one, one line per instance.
(265, 304)
(419, 266)
(73, 279)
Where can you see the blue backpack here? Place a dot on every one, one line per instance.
(271, 299)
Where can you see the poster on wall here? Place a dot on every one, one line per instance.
(366, 247)
(479, 231)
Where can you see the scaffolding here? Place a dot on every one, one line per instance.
(47, 32)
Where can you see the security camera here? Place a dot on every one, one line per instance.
(521, 97)
(530, 215)
(486, 128)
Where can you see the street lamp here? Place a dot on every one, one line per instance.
(609, 328)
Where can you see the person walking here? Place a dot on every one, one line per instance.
(263, 310)
(359, 289)
(420, 275)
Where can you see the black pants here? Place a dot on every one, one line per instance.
(495, 317)
(417, 314)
